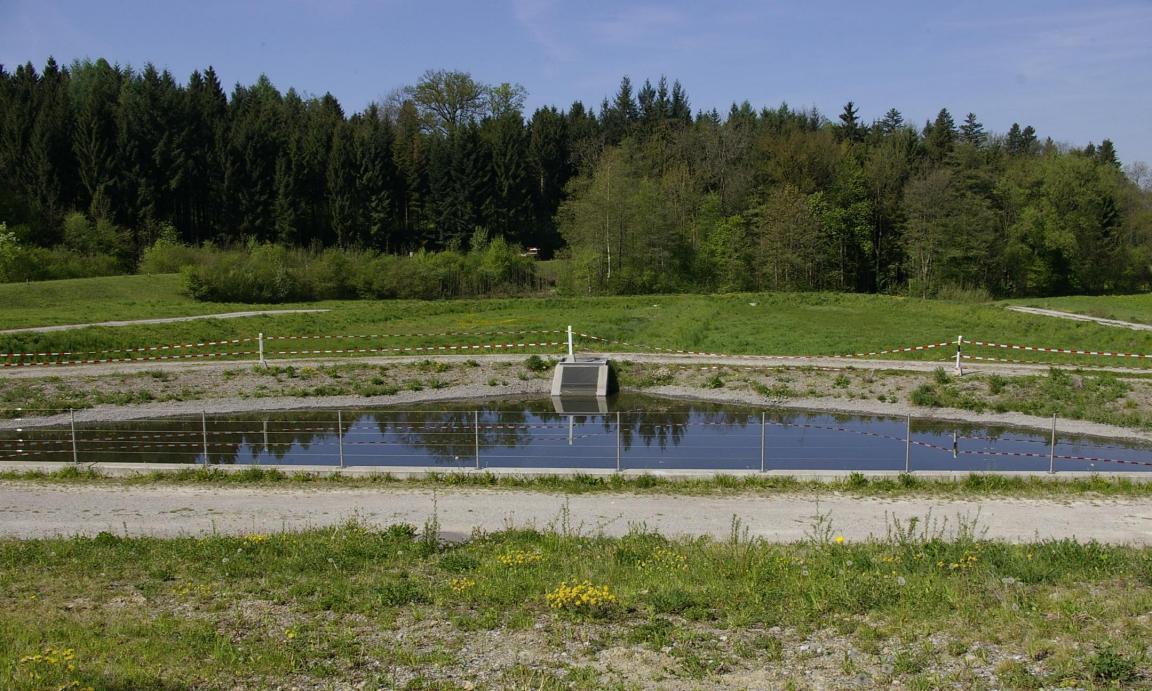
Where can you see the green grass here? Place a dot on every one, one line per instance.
(791, 323)
(1132, 308)
(396, 608)
(110, 298)
(855, 484)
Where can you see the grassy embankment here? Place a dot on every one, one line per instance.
(796, 323)
(395, 609)
(854, 484)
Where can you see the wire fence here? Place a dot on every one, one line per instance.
(764, 440)
(263, 348)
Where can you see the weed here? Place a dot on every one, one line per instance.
(534, 363)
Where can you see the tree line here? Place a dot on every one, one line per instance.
(640, 194)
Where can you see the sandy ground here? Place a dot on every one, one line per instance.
(39, 510)
(1081, 317)
(161, 320)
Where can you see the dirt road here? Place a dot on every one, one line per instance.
(37, 510)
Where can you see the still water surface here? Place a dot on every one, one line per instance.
(637, 432)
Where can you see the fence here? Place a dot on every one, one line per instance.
(263, 348)
(748, 440)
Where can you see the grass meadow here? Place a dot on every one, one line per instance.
(779, 323)
(923, 607)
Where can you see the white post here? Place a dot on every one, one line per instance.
(340, 434)
(908, 446)
(1052, 449)
(619, 466)
(476, 435)
(571, 428)
(267, 450)
(260, 340)
(959, 367)
(75, 455)
(571, 354)
(204, 432)
(763, 422)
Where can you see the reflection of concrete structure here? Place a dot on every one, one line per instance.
(580, 405)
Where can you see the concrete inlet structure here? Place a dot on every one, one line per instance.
(588, 378)
(583, 378)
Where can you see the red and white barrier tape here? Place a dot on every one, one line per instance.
(61, 363)
(421, 349)
(414, 335)
(909, 349)
(1064, 351)
(142, 349)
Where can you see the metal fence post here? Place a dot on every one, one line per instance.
(260, 341)
(340, 434)
(72, 418)
(959, 366)
(204, 433)
(476, 435)
(908, 446)
(267, 449)
(619, 465)
(763, 422)
(1052, 449)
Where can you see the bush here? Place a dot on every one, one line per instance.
(925, 395)
(169, 256)
(22, 262)
(273, 273)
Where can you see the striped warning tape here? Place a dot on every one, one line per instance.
(414, 335)
(142, 349)
(1065, 351)
(908, 349)
(154, 358)
(421, 349)
(1059, 457)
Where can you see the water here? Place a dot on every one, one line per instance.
(637, 432)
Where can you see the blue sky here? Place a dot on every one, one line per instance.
(1077, 71)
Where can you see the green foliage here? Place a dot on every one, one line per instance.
(98, 161)
(274, 273)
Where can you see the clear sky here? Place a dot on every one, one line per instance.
(1078, 71)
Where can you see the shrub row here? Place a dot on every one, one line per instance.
(267, 273)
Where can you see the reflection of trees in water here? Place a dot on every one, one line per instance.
(311, 436)
(453, 435)
(664, 427)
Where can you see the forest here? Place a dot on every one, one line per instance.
(107, 169)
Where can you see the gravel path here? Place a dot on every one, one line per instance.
(1080, 317)
(160, 320)
(751, 361)
(39, 510)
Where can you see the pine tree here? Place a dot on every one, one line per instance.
(972, 131)
(680, 109)
(850, 123)
(940, 136)
(1107, 154)
(891, 122)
